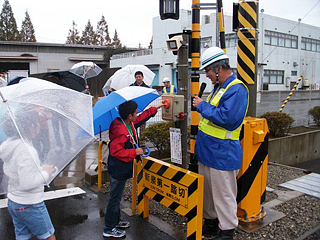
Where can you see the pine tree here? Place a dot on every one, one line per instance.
(73, 36)
(88, 35)
(27, 33)
(116, 43)
(8, 25)
(102, 33)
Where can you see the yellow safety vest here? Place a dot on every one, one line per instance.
(171, 89)
(213, 130)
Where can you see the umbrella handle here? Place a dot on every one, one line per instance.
(145, 149)
(56, 170)
(148, 152)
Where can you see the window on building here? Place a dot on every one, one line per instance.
(310, 44)
(280, 39)
(273, 76)
(294, 44)
(294, 73)
(206, 42)
(231, 40)
(267, 40)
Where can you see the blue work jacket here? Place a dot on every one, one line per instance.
(223, 154)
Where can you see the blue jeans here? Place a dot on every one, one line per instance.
(29, 220)
(112, 216)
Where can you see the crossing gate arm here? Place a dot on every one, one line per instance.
(174, 187)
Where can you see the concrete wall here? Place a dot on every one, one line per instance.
(292, 150)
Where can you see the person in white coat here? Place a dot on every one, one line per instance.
(27, 178)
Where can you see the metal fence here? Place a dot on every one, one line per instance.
(158, 117)
(132, 54)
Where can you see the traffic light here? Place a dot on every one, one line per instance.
(169, 9)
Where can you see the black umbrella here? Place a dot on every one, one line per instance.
(15, 80)
(66, 79)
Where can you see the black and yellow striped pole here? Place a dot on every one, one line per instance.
(195, 64)
(290, 94)
(247, 49)
(252, 176)
(221, 26)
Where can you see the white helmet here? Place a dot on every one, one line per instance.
(166, 79)
(212, 55)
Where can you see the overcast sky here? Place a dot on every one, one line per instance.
(131, 18)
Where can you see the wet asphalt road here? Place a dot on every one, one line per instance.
(81, 217)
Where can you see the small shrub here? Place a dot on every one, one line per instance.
(159, 135)
(315, 114)
(279, 123)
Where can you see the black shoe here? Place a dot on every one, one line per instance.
(225, 235)
(210, 227)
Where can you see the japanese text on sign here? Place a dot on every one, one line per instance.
(175, 145)
(165, 187)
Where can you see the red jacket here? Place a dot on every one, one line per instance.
(121, 148)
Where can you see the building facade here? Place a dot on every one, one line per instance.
(286, 50)
(44, 57)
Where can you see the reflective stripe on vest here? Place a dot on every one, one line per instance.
(171, 89)
(213, 130)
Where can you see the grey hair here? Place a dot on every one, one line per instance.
(224, 63)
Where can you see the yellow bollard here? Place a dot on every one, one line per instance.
(252, 177)
(100, 165)
(134, 188)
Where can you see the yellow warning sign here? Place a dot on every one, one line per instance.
(167, 188)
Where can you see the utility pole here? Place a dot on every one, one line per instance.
(183, 86)
(195, 76)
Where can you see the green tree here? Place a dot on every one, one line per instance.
(102, 33)
(116, 43)
(27, 33)
(107, 55)
(88, 35)
(8, 25)
(73, 36)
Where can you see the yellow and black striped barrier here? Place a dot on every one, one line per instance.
(174, 187)
(195, 77)
(252, 176)
(290, 94)
(221, 26)
(247, 40)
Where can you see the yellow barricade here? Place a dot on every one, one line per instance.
(174, 187)
(252, 177)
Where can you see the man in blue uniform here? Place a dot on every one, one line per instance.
(168, 88)
(218, 147)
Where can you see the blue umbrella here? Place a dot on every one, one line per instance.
(105, 110)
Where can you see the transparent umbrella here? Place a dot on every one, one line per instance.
(86, 69)
(44, 127)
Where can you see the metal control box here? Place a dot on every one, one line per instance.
(174, 110)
